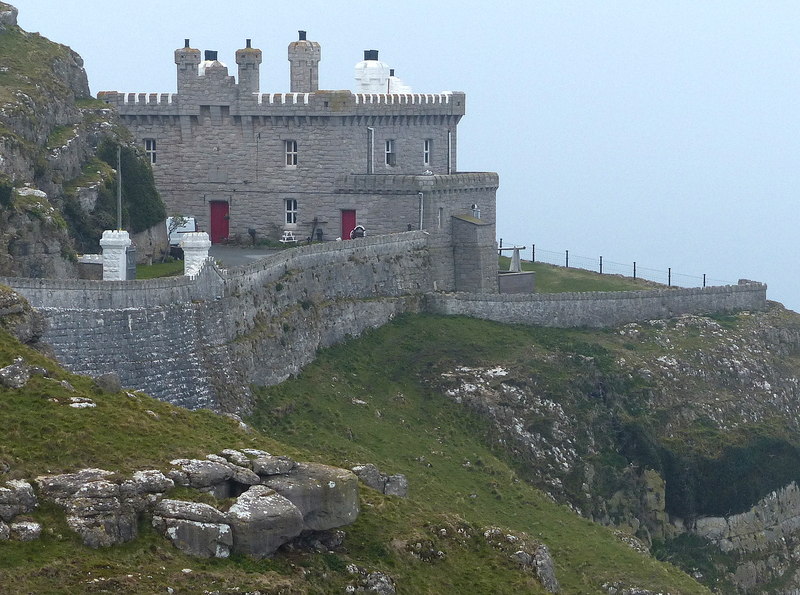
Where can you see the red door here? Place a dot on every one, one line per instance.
(348, 223)
(219, 221)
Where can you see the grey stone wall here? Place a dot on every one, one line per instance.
(600, 309)
(201, 342)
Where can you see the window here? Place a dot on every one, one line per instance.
(440, 217)
(391, 156)
(291, 152)
(150, 149)
(291, 211)
(426, 151)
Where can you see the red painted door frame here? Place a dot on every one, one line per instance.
(219, 228)
(348, 222)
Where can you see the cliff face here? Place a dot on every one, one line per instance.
(676, 430)
(54, 190)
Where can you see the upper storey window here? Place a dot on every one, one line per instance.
(391, 155)
(290, 148)
(150, 149)
(427, 146)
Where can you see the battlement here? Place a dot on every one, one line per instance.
(319, 103)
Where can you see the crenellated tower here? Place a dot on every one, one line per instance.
(188, 61)
(304, 57)
(249, 61)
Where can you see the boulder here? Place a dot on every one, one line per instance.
(15, 375)
(60, 487)
(545, 569)
(396, 485)
(236, 457)
(326, 496)
(194, 528)
(204, 540)
(145, 489)
(16, 498)
(197, 473)
(267, 465)
(105, 529)
(5, 532)
(109, 383)
(25, 531)
(188, 511)
(262, 520)
(371, 476)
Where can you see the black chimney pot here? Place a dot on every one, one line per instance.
(370, 54)
(186, 43)
(248, 43)
(302, 35)
(211, 55)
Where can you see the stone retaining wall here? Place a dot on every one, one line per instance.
(201, 341)
(600, 309)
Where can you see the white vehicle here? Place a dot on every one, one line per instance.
(176, 232)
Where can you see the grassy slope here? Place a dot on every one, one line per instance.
(407, 428)
(44, 436)
(556, 279)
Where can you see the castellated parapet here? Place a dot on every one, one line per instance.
(248, 162)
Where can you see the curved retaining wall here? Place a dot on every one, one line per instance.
(600, 309)
(201, 341)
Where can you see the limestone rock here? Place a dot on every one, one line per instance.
(262, 520)
(194, 528)
(236, 457)
(5, 532)
(8, 17)
(197, 473)
(25, 531)
(15, 375)
(109, 383)
(266, 465)
(326, 496)
(391, 485)
(396, 485)
(545, 569)
(16, 498)
(371, 476)
(204, 540)
(378, 582)
(60, 487)
(188, 511)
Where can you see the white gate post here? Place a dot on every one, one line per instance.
(115, 261)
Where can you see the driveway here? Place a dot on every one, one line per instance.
(234, 256)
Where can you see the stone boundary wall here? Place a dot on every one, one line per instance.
(600, 309)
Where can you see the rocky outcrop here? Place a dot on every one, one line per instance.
(270, 508)
(391, 485)
(103, 509)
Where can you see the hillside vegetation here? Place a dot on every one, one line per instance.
(432, 542)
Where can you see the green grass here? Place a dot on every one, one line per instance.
(171, 268)
(556, 279)
(444, 449)
(406, 427)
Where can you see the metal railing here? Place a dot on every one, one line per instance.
(609, 267)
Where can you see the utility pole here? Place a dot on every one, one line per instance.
(119, 187)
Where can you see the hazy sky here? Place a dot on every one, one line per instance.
(665, 133)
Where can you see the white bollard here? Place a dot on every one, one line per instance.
(195, 251)
(115, 260)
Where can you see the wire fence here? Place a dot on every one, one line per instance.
(608, 267)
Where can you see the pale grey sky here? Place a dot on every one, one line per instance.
(665, 133)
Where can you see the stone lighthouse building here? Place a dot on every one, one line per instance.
(312, 164)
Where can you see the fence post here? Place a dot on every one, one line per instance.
(601, 265)
(669, 277)
(704, 279)
(567, 264)
(634, 269)
(533, 252)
